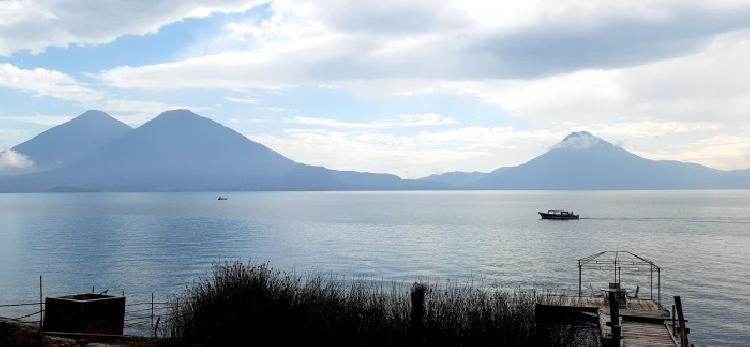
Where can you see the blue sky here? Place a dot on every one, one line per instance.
(411, 88)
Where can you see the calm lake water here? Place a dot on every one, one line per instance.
(159, 242)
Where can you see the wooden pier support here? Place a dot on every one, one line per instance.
(681, 318)
(615, 323)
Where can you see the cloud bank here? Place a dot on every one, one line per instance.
(13, 162)
(37, 25)
(304, 42)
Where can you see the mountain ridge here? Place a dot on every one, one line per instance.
(179, 150)
(584, 161)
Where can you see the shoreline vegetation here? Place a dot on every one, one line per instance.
(255, 303)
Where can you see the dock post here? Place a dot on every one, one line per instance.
(658, 283)
(579, 278)
(614, 313)
(651, 286)
(681, 318)
(674, 331)
(41, 309)
(417, 314)
(615, 268)
(619, 274)
(152, 313)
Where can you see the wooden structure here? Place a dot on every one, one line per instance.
(641, 323)
(624, 320)
(615, 262)
(85, 313)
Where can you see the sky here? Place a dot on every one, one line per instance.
(406, 87)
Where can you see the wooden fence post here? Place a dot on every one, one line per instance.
(152, 313)
(614, 314)
(416, 326)
(674, 329)
(681, 318)
(41, 309)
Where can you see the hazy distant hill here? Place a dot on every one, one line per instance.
(69, 142)
(583, 161)
(181, 151)
(457, 179)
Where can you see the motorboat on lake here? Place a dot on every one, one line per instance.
(221, 198)
(558, 214)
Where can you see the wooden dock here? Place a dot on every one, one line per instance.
(642, 321)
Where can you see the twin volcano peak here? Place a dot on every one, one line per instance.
(178, 113)
(180, 119)
(94, 118)
(93, 114)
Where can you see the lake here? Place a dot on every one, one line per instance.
(160, 242)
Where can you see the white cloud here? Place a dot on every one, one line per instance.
(36, 25)
(43, 82)
(11, 137)
(244, 100)
(11, 161)
(43, 120)
(402, 121)
(275, 109)
(51, 83)
(644, 129)
(726, 151)
(700, 88)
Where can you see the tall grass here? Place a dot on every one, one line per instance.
(256, 304)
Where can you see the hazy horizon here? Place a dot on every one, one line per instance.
(411, 88)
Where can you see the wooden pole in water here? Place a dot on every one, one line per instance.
(152, 313)
(579, 278)
(41, 310)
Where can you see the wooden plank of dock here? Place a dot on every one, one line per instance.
(645, 334)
